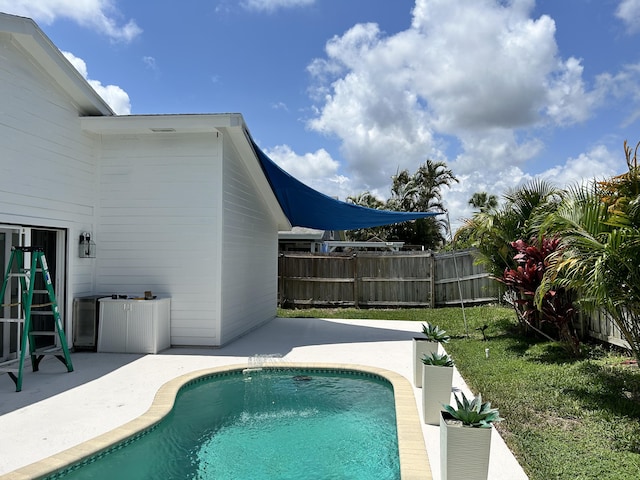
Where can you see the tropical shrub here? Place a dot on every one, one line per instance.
(492, 230)
(555, 307)
(599, 229)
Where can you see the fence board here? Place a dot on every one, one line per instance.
(383, 279)
(600, 325)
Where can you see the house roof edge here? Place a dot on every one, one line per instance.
(28, 36)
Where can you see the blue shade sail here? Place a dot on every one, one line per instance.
(306, 207)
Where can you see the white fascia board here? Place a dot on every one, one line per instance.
(242, 140)
(160, 124)
(27, 36)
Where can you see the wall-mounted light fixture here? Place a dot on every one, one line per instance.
(87, 248)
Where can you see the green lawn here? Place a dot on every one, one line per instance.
(565, 418)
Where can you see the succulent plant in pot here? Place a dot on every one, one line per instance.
(433, 333)
(433, 337)
(437, 378)
(465, 438)
(474, 413)
(437, 360)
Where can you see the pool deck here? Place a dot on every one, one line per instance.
(57, 410)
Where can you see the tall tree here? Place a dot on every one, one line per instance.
(420, 192)
(367, 199)
(483, 202)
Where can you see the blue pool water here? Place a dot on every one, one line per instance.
(269, 425)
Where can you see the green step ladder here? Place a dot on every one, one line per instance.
(27, 279)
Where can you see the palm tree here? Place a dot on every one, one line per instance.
(421, 192)
(483, 202)
(599, 227)
(492, 231)
(367, 199)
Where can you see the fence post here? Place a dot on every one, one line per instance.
(355, 281)
(432, 280)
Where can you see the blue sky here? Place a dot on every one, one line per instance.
(343, 93)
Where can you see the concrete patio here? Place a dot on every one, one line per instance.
(56, 410)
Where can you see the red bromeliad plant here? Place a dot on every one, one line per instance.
(556, 307)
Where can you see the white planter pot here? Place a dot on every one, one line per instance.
(464, 451)
(436, 391)
(421, 346)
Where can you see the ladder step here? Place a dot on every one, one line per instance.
(43, 333)
(41, 313)
(6, 365)
(48, 350)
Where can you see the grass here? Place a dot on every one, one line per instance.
(565, 418)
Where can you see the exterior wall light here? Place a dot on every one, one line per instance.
(86, 248)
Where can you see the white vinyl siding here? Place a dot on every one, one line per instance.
(160, 197)
(250, 269)
(48, 171)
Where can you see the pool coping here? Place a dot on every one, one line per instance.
(414, 462)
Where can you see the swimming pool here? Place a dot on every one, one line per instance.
(231, 444)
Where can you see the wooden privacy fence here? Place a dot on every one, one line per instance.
(600, 325)
(402, 279)
(383, 279)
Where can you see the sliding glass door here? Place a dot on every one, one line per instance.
(53, 243)
(9, 237)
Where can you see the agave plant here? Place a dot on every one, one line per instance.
(473, 413)
(438, 360)
(435, 333)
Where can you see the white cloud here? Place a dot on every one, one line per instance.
(492, 152)
(280, 106)
(629, 12)
(473, 78)
(273, 5)
(100, 15)
(115, 96)
(625, 86)
(597, 163)
(567, 99)
(316, 170)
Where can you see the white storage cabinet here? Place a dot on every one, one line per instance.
(134, 326)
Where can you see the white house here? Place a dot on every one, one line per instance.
(184, 206)
(176, 204)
